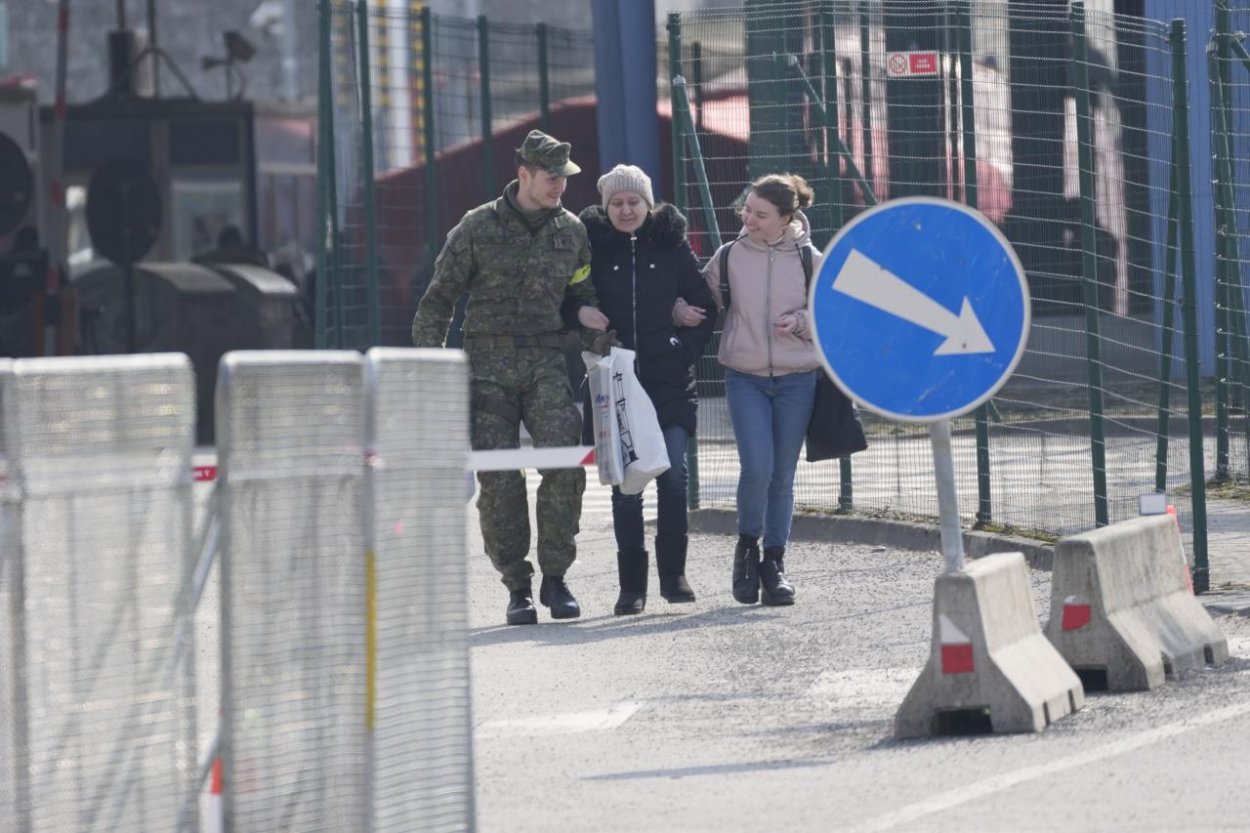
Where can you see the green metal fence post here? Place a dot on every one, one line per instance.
(865, 66)
(367, 173)
(829, 69)
(696, 80)
(679, 201)
(1189, 307)
(325, 171)
(833, 187)
(488, 129)
(428, 138)
(674, 70)
(684, 120)
(1169, 315)
(544, 78)
(968, 141)
(1089, 263)
(334, 276)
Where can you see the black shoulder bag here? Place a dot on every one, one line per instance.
(834, 429)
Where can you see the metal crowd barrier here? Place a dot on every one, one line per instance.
(97, 715)
(336, 521)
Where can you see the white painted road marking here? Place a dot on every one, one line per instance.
(998, 783)
(569, 723)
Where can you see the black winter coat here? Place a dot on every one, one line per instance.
(640, 283)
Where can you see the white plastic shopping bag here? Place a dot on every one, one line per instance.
(603, 419)
(643, 455)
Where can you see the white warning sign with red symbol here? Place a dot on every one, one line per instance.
(956, 648)
(911, 64)
(1076, 613)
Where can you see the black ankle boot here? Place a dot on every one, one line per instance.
(670, 558)
(676, 590)
(776, 591)
(631, 569)
(555, 594)
(746, 577)
(521, 607)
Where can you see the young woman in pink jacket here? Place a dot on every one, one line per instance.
(770, 373)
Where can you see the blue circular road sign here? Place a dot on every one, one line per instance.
(920, 309)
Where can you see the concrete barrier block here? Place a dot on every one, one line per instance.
(990, 668)
(1121, 606)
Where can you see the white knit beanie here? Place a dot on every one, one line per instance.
(626, 178)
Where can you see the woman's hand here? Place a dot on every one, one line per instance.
(592, 318)
(687, 315)
(786, 323)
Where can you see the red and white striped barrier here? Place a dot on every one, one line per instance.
(214, 822)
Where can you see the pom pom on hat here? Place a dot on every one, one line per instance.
(626, 178)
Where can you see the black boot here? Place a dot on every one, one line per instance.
(521, 607)
(554, 593)
(670, 559)
(777, 592)
(631, 569)
(746, 579)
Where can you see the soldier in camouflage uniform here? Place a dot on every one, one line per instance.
(518, 258)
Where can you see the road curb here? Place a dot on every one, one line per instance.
(903, 535)
(906, 535)
(1226, 601)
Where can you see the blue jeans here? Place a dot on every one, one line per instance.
(769, 416)
(670, 487)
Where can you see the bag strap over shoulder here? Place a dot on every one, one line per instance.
(724, 273)
(805, 255)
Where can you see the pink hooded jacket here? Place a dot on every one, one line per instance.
(766, 281)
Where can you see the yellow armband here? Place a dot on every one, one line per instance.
(580, 275)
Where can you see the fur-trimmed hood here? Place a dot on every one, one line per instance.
(666, 227)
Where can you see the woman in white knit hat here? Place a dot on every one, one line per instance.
(641, 265)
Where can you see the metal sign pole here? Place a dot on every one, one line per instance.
(948, 497)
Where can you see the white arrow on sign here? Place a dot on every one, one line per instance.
(863, 279)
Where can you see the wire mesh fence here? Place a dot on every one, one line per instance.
(448, 101)
(1229, 83)
(1057, 120)
(1059, 126)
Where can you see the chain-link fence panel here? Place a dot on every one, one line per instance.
(291, 493)
(449, 100)
(1057, 124)
(419, 425)
(97, 714)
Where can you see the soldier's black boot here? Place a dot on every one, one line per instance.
(554, 593)
(521, 607)
(746, 578)
(670, 559)
(776, 591)
(631, 568)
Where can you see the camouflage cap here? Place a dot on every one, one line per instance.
(543, 151)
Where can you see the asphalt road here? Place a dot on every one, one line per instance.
(720, 717)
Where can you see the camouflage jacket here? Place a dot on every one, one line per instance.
(516, 280)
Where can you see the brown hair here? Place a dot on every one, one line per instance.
(788, 192)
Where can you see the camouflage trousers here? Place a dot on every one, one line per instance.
(529, 384)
